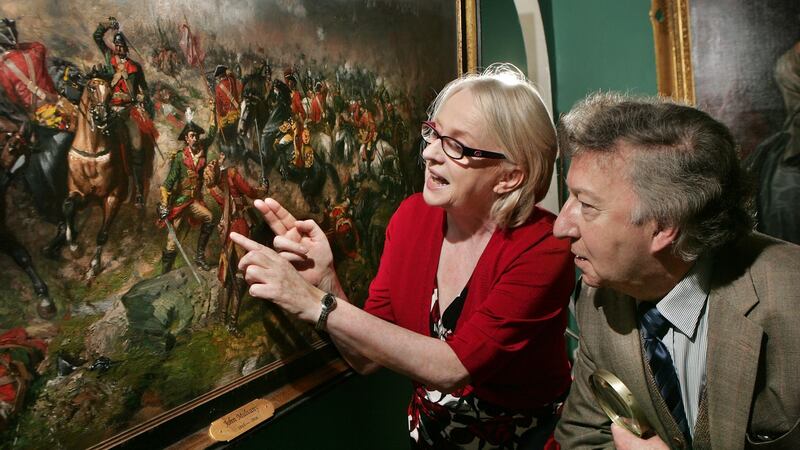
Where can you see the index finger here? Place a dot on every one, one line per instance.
(278, 218)
(247, 243)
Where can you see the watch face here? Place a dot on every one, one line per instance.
(328, 300)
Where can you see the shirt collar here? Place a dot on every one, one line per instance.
(683, 306)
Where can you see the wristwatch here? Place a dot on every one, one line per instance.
(328, 304)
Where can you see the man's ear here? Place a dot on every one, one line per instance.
(663, 237)
(510, 180)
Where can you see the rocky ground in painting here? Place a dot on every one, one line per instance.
(161, 334)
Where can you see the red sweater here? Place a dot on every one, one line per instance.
(510, 335)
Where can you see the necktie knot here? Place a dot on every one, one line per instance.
(653, 324)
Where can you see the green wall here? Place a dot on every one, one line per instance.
(501, 34)
(596, 44)
(593, 44)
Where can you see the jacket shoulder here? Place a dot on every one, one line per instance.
(767, 259)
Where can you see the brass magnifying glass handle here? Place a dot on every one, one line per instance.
(617, 401)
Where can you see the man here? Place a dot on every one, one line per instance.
(26, 90)
(298, 111)
(228, 98)
(130, 100)
(690, 309)
(182, 193)
(776, 161)
(229, 189)
(317, 108)
(23, 71)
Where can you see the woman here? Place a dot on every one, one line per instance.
(470, 299)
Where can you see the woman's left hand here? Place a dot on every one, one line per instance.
(273, 278)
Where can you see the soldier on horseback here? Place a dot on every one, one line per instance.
(27, 89)
(297, 98)
(25, 81)
(130, 101)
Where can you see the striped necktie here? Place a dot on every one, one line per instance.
(653, 326)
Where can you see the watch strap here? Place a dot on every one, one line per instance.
(328, 304)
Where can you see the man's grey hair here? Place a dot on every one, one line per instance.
(682, 165)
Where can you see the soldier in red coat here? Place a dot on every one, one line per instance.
(228, 98)
(317, 114)
(229, 189)
(23, 71)
(130, 100)
(26, 85)
(297, 98)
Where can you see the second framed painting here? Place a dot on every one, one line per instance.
(134, 137)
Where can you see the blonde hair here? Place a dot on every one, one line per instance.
(517, 119)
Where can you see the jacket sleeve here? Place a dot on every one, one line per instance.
(98, 35)
(172, 176)
(244, 187)
(583, 424)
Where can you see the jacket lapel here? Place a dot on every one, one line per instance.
(631, 370)
(734, 344)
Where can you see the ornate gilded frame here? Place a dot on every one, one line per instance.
(468, 35)
(670, 19)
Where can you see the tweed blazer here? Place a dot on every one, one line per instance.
(752, 393)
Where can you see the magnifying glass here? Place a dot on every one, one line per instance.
(618, 403)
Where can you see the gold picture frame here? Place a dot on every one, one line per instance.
(672, 38)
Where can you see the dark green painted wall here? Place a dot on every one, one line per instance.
(501, 34)
(598, 44)
(593, 44)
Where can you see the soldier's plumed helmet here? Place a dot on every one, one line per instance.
(8, 34)
(119, 39)
(191, 126)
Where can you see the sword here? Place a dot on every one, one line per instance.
(160, 153)
(264, 181)
(174, 236)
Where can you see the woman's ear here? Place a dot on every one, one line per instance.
(510, 179)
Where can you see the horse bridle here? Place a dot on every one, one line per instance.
(99, 118)
(99, 113)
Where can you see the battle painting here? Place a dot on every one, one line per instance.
(134, 137)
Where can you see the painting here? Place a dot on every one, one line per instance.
(721, 57)
(135, 136)
(737, 60)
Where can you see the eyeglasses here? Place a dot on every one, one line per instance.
(452, 148)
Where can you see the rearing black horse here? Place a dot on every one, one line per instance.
(14, 153)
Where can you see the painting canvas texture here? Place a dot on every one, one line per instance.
(135, 135)
(746, 61)
(735, 45)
